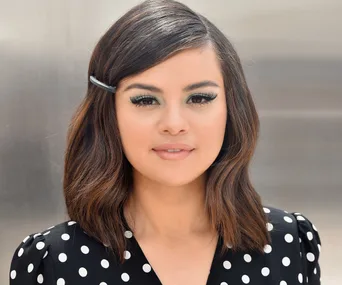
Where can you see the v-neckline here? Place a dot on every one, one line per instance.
(153, 274)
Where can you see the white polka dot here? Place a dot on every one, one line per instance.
(300, 240)
(310, 256)
(288, 219)
(297, 213)
(267, 210)
(40, 245)
(30, 268)
(40, 279)
(103, 283)
(313, 226)
(127, 254)
(128, 234)
(13, 274)
(267, 248)
(65, 237)
(45, 255)
(309, 235)
(229, 246)
(307, 279)
(104, 263)
(269, 226)
(315, 271)
(286, 212)
(62, 257)
(319, 247)
(146, 267)
(300, 218)
(45, 234)
(283, 283)
(71, 223)
(49, 229)
(223, 283)
(300, 278)
(125, 277)
(20, 252)
(60, 281)
(265, 271)
(286, 261)
(82, 272)
(227, 264)
(85, 249)
(288, 238)
(25, 239)
(247, 258)
(245, 279)
(37, 235)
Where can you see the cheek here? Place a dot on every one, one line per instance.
(134, 135)
(210, 135)
(212, 128)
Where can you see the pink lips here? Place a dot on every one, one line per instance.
(173, 146)
(161, 151)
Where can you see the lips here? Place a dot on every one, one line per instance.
(173, 151)
(175, 146)
(174, 155)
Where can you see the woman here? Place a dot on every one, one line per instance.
(156, 169)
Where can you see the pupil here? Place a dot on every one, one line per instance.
(147, 101)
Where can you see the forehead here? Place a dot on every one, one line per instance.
(185, 67)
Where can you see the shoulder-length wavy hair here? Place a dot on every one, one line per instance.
(97, 175)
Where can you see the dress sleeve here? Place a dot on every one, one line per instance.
(310, 245)
(31, 263)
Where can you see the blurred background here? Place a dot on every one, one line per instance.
(292, 55)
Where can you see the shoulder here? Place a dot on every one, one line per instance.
(51, 238)
(281, 222)
(296, 234)
(35, 256)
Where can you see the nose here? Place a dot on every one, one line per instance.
(173, 121)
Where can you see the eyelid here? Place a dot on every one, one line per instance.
(143, 96)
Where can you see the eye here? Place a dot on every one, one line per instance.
(143, 100)
(202, 98)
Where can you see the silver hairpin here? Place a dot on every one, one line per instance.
(102, 85)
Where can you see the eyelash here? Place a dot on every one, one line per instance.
(137, 101)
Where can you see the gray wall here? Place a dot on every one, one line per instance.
(292, 55)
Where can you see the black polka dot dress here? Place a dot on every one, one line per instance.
(65, 255)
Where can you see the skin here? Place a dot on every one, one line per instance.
(166, 209)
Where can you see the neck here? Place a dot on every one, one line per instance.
(168, 212)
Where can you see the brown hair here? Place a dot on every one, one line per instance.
(97, 175)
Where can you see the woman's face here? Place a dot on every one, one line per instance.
(173, 111)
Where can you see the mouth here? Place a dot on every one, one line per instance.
(173, 154)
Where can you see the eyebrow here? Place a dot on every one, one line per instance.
(188, 88)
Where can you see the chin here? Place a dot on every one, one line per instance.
(175, 180)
